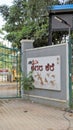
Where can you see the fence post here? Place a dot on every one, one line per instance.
(25, 45)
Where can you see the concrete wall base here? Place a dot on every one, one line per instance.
(46, 101)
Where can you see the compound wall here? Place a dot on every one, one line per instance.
(58, 97)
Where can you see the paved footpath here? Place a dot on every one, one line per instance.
(17, 114)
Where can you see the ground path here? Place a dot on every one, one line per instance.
(17, 114)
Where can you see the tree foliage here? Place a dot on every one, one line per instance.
(69, 2)
(25, 20)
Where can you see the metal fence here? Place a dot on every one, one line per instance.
(9, 72)
(70, 59)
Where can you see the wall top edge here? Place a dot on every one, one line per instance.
(52, 46)
(26, 41)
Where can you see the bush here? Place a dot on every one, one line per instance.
(27, 82)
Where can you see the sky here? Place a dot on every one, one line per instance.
(2, 2)
(9, 3)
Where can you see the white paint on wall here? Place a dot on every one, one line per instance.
(46, 72)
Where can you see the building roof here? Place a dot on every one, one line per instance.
(61, 8)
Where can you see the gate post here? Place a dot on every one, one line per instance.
(25, 45)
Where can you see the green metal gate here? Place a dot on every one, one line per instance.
(9, 72)
(70, 59)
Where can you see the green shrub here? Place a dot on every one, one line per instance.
(27, 81)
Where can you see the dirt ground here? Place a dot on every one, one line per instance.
(18, 114)
(9, 89)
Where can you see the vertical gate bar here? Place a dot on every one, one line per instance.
(70, 72)
(17, 71)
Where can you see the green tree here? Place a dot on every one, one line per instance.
(69, 2)
(25, 19)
